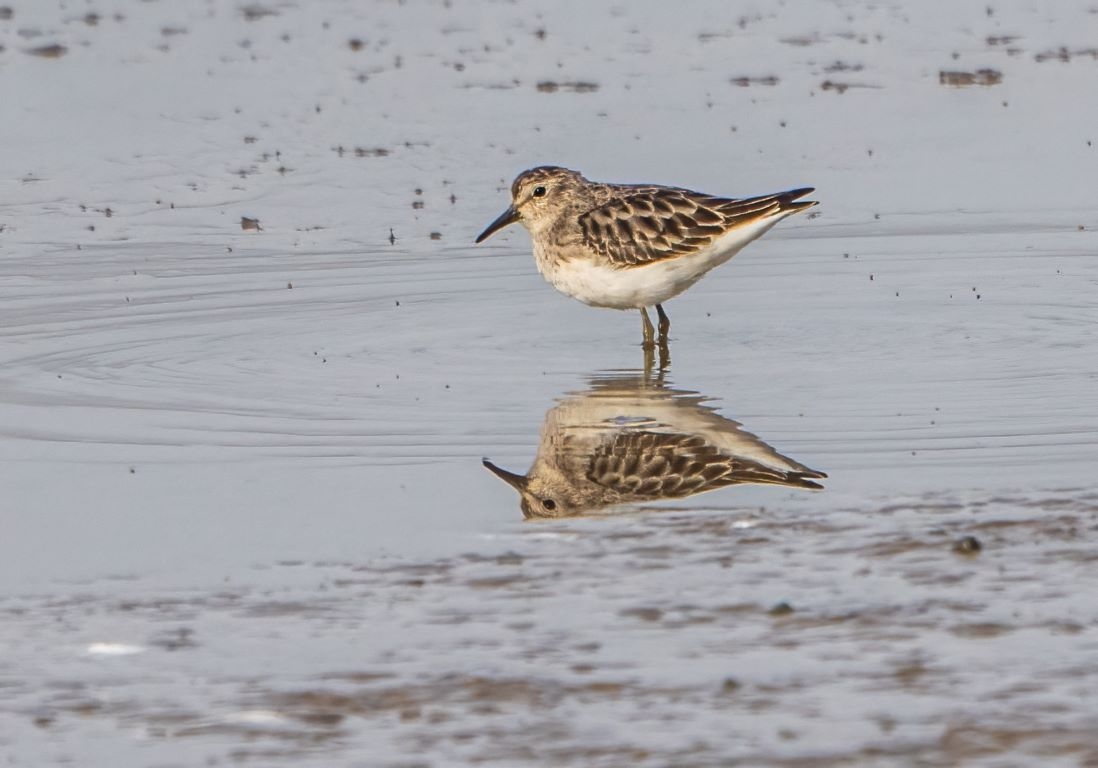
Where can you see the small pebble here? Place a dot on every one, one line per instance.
(781, 609)
(967, 545)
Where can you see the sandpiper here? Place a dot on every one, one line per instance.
(626, 441)
(632, 246)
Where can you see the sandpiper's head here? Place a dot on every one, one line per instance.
(540, 496)
(537, 196)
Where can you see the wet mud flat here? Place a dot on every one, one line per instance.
(928, 632)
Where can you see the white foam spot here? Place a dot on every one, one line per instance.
(113, 649)
(257, 717)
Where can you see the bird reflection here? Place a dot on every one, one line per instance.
(629, 439)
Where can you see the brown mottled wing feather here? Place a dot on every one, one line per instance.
(647, 224)
(654, 465)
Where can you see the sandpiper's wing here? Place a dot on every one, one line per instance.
(657, 465)
(647, 224)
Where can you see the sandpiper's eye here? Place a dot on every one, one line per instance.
(549, 504)
(538, 192)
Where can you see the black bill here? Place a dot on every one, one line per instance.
(518, 482)
(510, 216)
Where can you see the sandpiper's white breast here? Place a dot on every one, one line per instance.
(597, 282)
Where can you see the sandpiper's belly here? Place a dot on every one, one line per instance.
(603, 285)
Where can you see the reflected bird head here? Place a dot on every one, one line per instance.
(538, 196)
(538, 499)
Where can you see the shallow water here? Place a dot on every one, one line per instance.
(245, 517)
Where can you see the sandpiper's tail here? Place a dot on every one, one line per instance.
(804, 479)
(750, 211)
(794, 474)
(746, 471)
(787, 201)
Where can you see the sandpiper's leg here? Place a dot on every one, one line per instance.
(665, 322)
(649, 331)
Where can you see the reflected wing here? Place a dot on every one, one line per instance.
(654, 465)
(647, 224)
